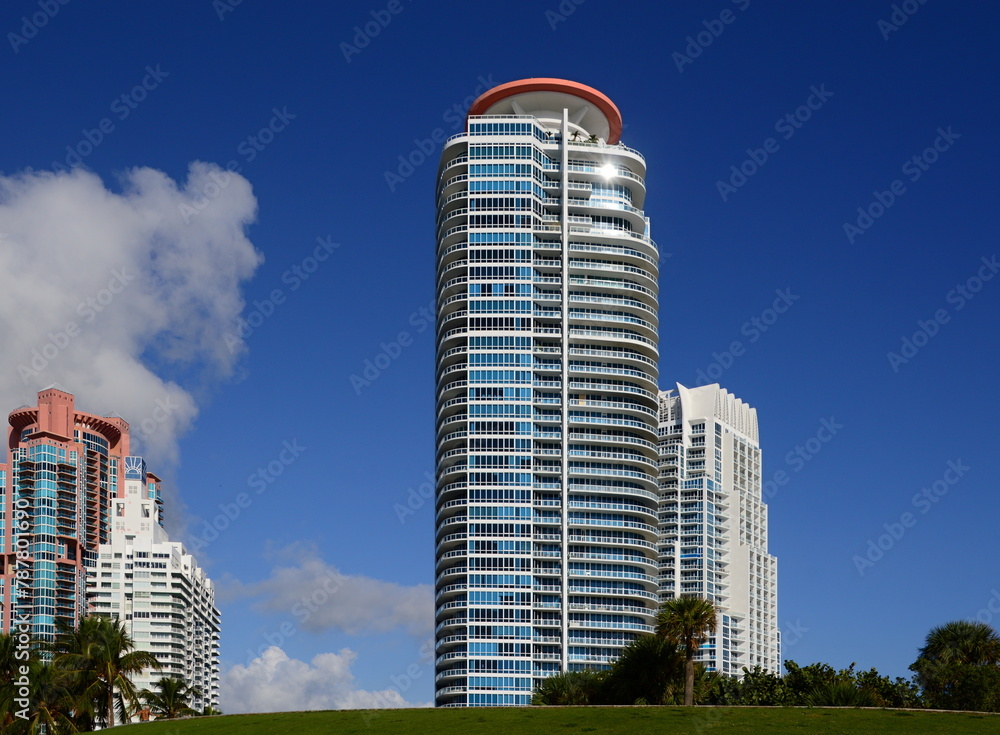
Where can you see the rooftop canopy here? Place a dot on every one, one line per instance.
(546, 98)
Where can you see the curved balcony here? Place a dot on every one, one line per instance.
(645, 276)
(604, 300)
(594, 540)
(610, 438)
(451, 573)
(630, 408)
(452, 389)
(450, 590)
(449, 543)
(446, 171)
(600, 153)
(644, 327)
(578, 523)
(599, 419)
(613, 592)
(644, 513)
(620, 288)
(453, 267)
(643, 256)
(618, 337)
(451, 640)
(451, 674)
(453, 656)
(648, 562)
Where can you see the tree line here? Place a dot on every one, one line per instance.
(83, 681)
(957, 668)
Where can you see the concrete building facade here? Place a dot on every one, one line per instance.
(151, 583)
(81, 533)
(713, 524)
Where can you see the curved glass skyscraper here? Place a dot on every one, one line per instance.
(547, 404)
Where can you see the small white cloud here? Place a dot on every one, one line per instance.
(315, 596)
(276, 683)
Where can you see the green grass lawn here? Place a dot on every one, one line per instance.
(575, 720)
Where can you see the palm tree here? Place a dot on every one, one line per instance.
(687, 621)
(52, 704)
(100, 656)
(649, 671)
(957, 666)
(8, 672)
(962, 642)
(172, 698)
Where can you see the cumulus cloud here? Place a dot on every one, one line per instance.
(276, 683)
(127, 298)
(318, 597)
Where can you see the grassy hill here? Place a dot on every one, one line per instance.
(578, 720)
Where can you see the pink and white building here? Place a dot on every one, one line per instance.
(81, 532)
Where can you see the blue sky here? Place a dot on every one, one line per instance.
(749, 206)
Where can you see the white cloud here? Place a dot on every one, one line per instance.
(317, 597)
(276, 683)
(106, 292)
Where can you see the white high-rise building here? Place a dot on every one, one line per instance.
(713, 524)
(152, 583)
(546, 394)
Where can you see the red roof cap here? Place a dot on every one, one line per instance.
(546, 84)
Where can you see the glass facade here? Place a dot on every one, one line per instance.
(546, 536)
(61, 476)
